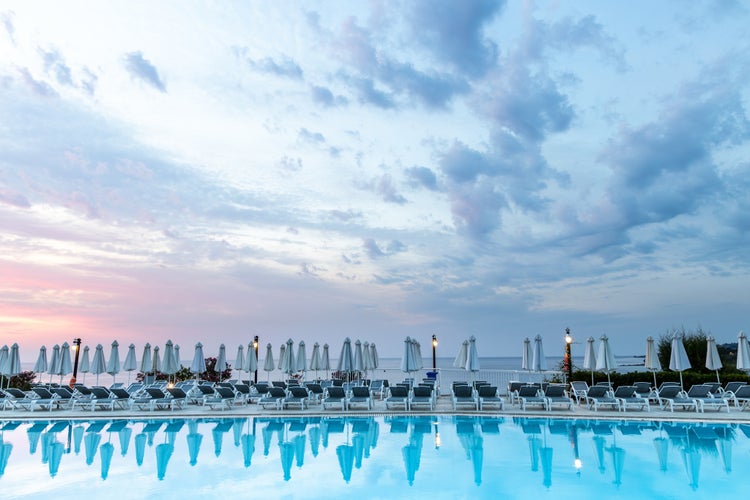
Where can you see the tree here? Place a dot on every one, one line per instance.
(696, 344)
(184, 373)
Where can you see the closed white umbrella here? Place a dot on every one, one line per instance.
(713, 361)
(472, 358)
(366, 358)
(408, 362)
(315, 361)
(289, 367)
(98, 364)
(156, 362)
(652, 358)
(282, 355)
(375, 358)
(239, 360)
(146, 359)
(41, 362)
(177, 356)
(325, 360)
(169, 365)
(418, 354)
(251, 360)
(605, 359)
(743, 352)
(463, 352)
(678, 359)
(346, 359)
(527, 355)
(198, 365)
(221, 361)
(54, 362)
(268, 364)
(539, 361)
(85, 365)
(4, 353)
(113, 366)
(66, 365)
(130, 364)
(12, 364)
(359, 364)
(589, 357)
(301, 361)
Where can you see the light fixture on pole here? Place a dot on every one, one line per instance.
(568, 362)
(434, 352)
(77, 349)
(255, 346)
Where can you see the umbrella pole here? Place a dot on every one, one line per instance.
(592, 377)
(654, 372)
(717, 377)
(681, 387)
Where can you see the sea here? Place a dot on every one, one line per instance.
(626, 364)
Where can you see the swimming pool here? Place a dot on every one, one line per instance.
(373, 457)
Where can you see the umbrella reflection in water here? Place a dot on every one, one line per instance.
(106, 451)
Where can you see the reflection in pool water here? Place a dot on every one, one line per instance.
(380, 457)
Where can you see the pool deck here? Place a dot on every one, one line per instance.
(444, 407)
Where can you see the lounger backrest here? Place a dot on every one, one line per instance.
(177, 392)
(422, 391)
(42, 393)
(278, 383)
(100, 393)
(642, 387)
(555, 391)
(598, 391)
(262, 388)
(242, 388)
(336, 392)
(513, 386)
(120, 393)
(733, 386)
(224, 392)
(298, 391)
(669, 391)
(528, 391)
(276, 392)
(742, 392)
(15, 392)
(625, 391)
(579, 385)
(699, 391)
(315, 388)
(155, 393)
(487, 391)
(206, 390)
(462, 391)
(399, 391)
(361, 392)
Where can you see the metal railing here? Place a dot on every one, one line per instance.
(446, 377)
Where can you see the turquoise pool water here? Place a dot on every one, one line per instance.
(373, 457)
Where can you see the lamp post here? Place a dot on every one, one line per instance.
(255, 346)
(434, 352)
(77, 349)
(568, 362)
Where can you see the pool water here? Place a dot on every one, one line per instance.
(373, 457)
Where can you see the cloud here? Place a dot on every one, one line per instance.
(454, 32)
(373, 250)
(312, 137)
(7, 20)
(384, 187)
(40, 88)
(324, 97)
(142, 69)
(421, 177)
(54, 64)
(284, 67)
(13, 198)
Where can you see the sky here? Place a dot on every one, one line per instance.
(318, 170)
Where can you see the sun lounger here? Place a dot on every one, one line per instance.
(16, 398)
(742, 397)
(316, 392)
(334, 396)
(729, 390)
(672, 395)
(488, 397)
(643, 389)
(99, 398)
(298, 396)
(360, 396)
(701, 393)
(579, 389)
(273, 397)
(629, 398)
(179, 396)
(600, 395)
(532, 395)
(223, 397)
(422, 395)
(555, 395)
(155, 399)
(463, 395)
(399, 396)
